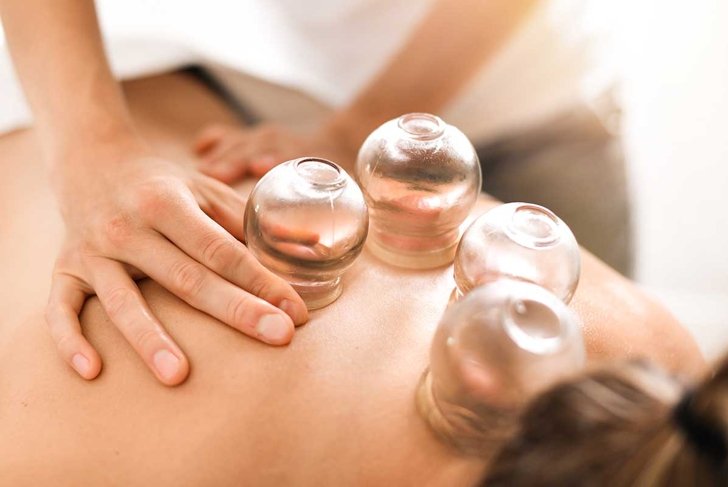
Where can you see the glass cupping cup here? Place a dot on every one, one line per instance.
(520, 241)
(420, 177)
(492, 351)
(306, 220)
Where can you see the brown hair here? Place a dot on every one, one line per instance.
(627, 425)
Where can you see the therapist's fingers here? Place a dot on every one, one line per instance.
(223, 204)
(64, 304)
(227, 163)
(227, 207)
(275, 232)
(260, 153)
(124, 304)
(209, 244)
(205, 290)
(298, 242)
(210, 137)
(231, 153)
(427, 209)
(260, 164)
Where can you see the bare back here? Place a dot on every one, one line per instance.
(334, 407)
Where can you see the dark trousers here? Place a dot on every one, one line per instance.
(574, 166)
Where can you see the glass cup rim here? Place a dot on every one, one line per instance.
(437, 123)
(336, 182)
(525, 239)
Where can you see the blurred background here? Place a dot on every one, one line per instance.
(672, 58)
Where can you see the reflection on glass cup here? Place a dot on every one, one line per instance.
(519, 241)
(420, 177)
(493, 350)
(306, 220)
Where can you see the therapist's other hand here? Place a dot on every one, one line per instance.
(230, 153)
(136, 215)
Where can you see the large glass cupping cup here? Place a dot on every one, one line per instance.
(420, 177)
(521, 241)
(493, 351)
(306, 220)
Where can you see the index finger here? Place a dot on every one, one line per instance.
(129, 311)
(208, 138)
(207, 242)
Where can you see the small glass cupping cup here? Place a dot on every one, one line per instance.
(420, 177)
(306, 220)
(520, 241)
(493, 350)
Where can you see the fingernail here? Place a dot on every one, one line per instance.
(273, 328)
(295, 312)
(81, 364)
(166, 363)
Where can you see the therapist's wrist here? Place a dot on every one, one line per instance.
(82, 176)
(84, 153)
(68, 128)
(93, 141)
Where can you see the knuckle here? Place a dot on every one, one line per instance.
(88, 249)
(145, 338)
(188, 278)
(237, 311)
(262, 285)
(66, 343)
(119, 229)
(152, 198)
(250, 262)
(219, 251)
(117, 301)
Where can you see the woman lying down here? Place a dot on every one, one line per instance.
(335, 407)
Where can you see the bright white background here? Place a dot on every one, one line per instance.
(674, 59)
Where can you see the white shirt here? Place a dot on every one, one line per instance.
(331, 49)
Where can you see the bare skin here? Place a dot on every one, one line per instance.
(333, 408)
(127, 211)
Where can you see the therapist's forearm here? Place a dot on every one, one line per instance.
(58, 53)
(444, 52)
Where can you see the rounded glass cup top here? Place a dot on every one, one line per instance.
(520, 241)
(420, 177)
(306, 220)
(494, 350)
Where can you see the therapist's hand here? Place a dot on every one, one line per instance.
(230, 153)
(136, 215)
